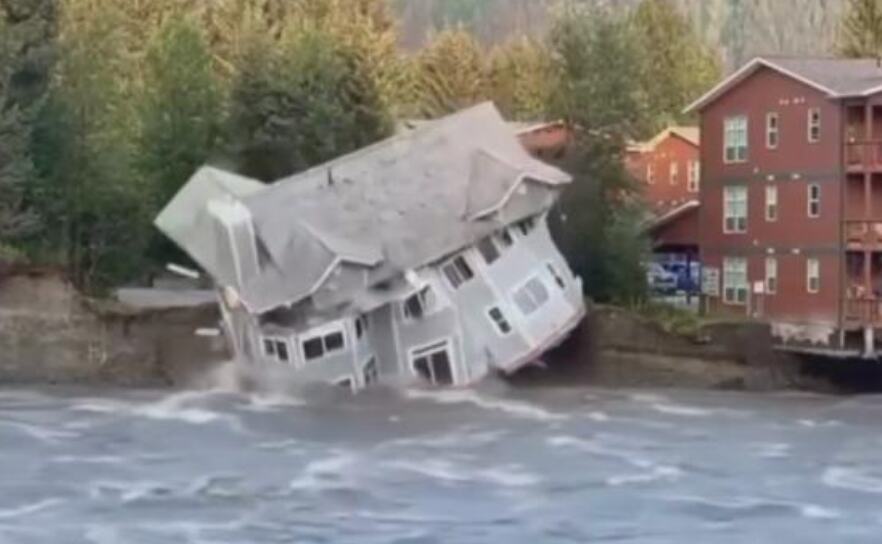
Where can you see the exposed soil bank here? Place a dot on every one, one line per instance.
(49, 334)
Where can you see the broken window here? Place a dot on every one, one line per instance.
(488, 250)
(498, 318)
(458, 271)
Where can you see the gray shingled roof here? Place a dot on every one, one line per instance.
(839, 78)
(394, 206)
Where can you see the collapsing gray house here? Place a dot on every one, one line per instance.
(425, 257)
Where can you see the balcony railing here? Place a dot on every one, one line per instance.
(864, 310)
(864, 155)
(863, 234)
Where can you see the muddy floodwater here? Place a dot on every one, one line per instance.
(495, 465)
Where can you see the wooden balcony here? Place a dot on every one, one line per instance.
(863, 156)
(863, 235)
(864, 311)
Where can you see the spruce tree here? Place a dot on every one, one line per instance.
(450, 74)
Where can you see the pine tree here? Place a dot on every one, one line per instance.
(861, 34)
(675, 66)
(27, 48)
(302, 104)
(519, 79)
(450, 74)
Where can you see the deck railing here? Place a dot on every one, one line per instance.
(867, 154)
(863, 234)
(864, 310)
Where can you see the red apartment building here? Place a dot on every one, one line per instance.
(669, 172)
(791, 200)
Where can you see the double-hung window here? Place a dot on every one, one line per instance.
(675, 173)
(499, 321)
(771, 275)
(650, 173)
(735, 209)
(771, 203)
(458, 271)
(813, 276)
(735, 280)
(814, 125)
(487, 248)
(735, 139)
(814, 200)
(772, 130)
(276, 348)
(693, 176)
(419, 304)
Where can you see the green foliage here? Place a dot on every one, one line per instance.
(301, 104)
(598, 91)
(180, 115)
(671, 319)
(520, 77)
(86, 189)
(675, 66)
(450, 74)
(861, 34)
(26, 58)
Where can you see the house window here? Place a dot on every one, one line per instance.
(498, 319)
(532, 296)
(361, 326)
(504, 237)
(650, 173)
(458, 271)
(693, 177)
(814, 200)
(558, 279)
(433, 364)
(735, 139)
(813, 276)
(735, 209)
(772, 130)
(814, 125)
(735, 280)
(371, 372)
(418, 305)
(675, 173)
(771, 203)
(321, 345)
(771, 275)
(526, 226)
(488, 250)
(276, 348)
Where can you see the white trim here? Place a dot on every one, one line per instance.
(182, 271)
(771, 189)
(322, 331)
(743, 73)
(776, 131)
(809, 200)
(809, 125)
(808, 275)
(774, 261)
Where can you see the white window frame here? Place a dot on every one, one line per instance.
(813, 273)
(441, 344)
(362, 326)
(650, 173)
(693, 181)
(460, 278)
(813, 203)
(729, 202)
(275, 341)
(372, 361)
(497, 324)
(523, 288)
(674, 173)
(773, 130)
(323, 333)
(814, 125)
(771, 204)
(491, 243)
(735, 294)
(771, 275)
(428, 298)
(736, 138)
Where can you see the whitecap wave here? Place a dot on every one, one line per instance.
(28, 509)
(517, 409)
(852, 480)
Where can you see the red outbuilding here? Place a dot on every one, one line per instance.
(790, 220)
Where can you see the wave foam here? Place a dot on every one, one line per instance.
(514, 408)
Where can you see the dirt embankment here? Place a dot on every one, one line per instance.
(51, 334)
